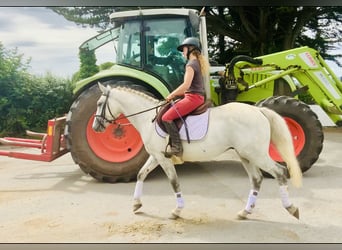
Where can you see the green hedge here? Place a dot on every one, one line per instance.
(28, 101)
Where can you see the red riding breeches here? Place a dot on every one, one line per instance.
(183, 107)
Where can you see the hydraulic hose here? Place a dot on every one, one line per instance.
(241, 58)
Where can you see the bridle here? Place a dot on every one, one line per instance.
(102, 115)
(105, 106)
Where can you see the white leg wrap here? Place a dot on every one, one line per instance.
(138, 190)
(252, 197)
(284, 195)
(180, 200)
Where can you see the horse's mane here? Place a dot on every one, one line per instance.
(137, 90)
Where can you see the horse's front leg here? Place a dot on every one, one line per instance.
(149, 165)
(171, 173)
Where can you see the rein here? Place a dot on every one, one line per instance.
(113, 121)
(138, 113)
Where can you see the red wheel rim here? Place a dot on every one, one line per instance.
(116, 143)
(298, 138)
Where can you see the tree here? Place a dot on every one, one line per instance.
(88, 16)
(88, 63)
(251, 30)
(12, 75)
(27, 101)
(262, 30)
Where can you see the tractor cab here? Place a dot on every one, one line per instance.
(147, 40)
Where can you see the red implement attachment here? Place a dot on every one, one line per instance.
(51, 144)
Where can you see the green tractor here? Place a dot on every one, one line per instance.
(145, 44)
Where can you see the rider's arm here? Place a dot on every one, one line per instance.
(188, 76)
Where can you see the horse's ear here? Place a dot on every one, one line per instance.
(102, 87)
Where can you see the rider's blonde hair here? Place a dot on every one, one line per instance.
(202, 60)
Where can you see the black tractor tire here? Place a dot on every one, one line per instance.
(103, 170)
(298, 113)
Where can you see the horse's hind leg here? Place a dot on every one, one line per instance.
(279, 172)
(255, 178)
(149, 165)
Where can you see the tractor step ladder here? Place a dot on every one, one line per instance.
(51, 144)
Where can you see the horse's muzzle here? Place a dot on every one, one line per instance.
(98, 125)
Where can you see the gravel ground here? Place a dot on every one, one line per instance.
(56, 203)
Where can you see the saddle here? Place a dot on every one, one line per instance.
(197, 118)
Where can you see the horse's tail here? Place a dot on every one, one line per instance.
(282, 139)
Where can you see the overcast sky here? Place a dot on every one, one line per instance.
(47, 38)
(51, 41)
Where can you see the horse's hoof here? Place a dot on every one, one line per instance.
(242, 215)
(175, 214)
(137, 204)
(293, 211)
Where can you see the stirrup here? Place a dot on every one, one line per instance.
(172, 152)
(169, 154)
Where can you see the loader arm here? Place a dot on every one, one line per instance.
(303, 69)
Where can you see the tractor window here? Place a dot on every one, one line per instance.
(101, 39)
(157, 53)
(162, 57)
(129, 44)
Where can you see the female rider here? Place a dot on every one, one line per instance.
(192, 91)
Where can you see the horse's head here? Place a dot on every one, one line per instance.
(104, 113)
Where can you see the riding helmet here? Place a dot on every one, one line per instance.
(190, 41)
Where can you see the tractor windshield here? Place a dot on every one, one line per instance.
(151, 45)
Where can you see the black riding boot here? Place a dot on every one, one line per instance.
(175, 141)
